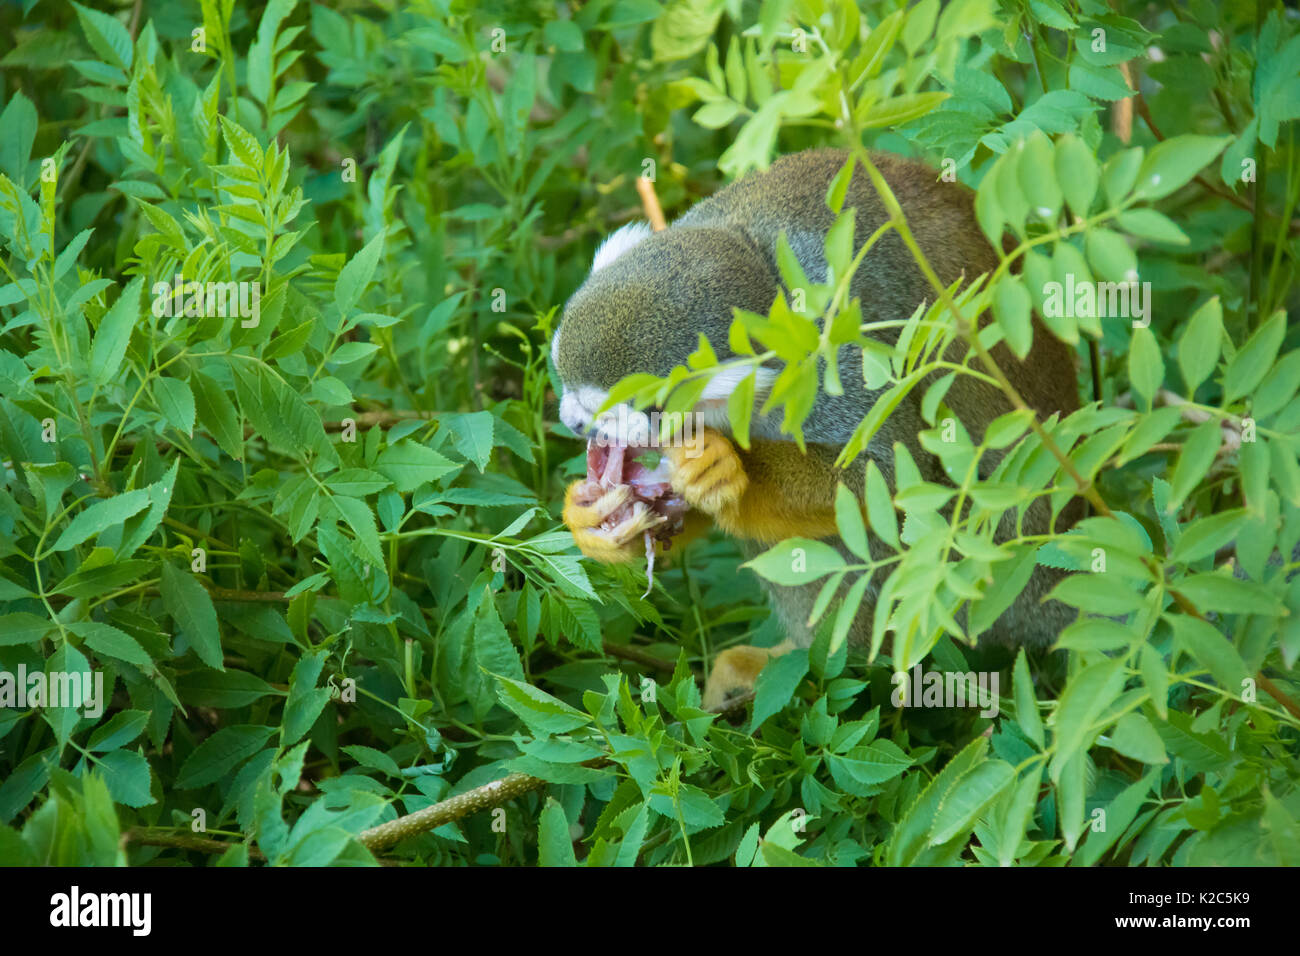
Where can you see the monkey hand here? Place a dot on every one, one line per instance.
(586, 510)
(709, 474)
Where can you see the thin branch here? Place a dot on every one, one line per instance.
(486, 797)
(181, 841)
(650, 200)
(1187, 607)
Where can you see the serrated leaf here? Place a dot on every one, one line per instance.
(190, 606)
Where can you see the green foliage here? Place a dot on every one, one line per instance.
(307, 537)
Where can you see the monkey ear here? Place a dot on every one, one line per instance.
(620, 242)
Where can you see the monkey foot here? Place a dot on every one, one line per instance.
(734, 672)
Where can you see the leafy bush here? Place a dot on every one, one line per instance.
(302, 519)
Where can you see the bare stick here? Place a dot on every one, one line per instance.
(650, 200)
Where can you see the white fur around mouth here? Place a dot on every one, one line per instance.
(624, 425)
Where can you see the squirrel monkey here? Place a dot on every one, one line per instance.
(651, 294)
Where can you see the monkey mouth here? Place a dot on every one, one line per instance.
(636, 491)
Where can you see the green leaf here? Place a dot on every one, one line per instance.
(554, 845)
(108, 36)
(1110, 256)
(776, 684)
(839, 186)
(23, 628)
(1212, 650)
(138, 529)
(1224, 594)
(1005, 429)
(1088, 693)
(1194, 461)
(356, 275)
(409, 464)
(1070, 794)
(1146, 369)
(1207, 535)
(1076, 171)
(797, 561)
(494, 652)
(740, 409)
(176, 402)
(1198, 348)
(1172, 163)
(1120, 172)
(848, 519)
(544, 714)
(472, 436)
(108, 641)
(1100, 593)
(1134, 737)
(1027, 716)
(221, 753)
(242, 144)
(967, 799)
(118, 731)
(1150, 429)
(223, 690)
(1119, 815)
(1247, 368)
(127, 775)
(279, 414)
(1156, 679)
(1095, 634)
(1007, 584)
(897, 110)
(114, 333)
(1011, 307)
(880, 507)
(19, 120)
(190, 606)
(101, 516)
(1038, 179)
(910, 836)
(872, 765)
(1149, 224)
(306, 700)
(361, 519)
(216, 412)
(847, 613)
(1019, 811)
